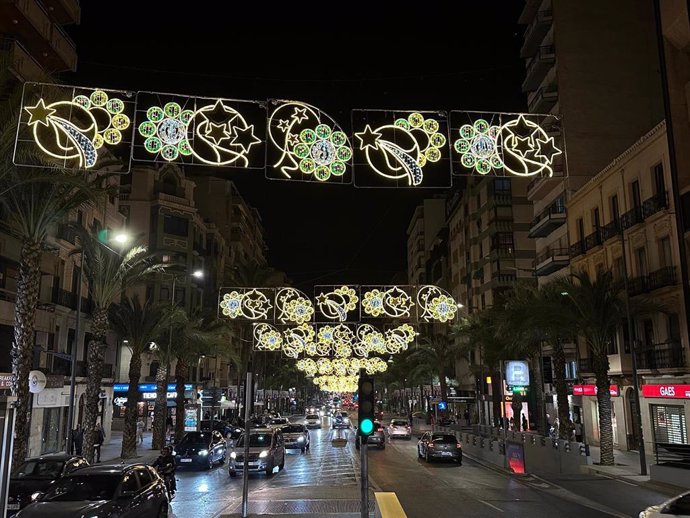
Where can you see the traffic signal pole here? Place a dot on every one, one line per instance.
(366, 397)
(364, 476)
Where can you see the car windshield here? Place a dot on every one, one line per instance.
(83, 488)
(195, 438)
(445, 439)
(256, 439)
(293, 428)
(40, 469)
(312, 416)
(398, 422)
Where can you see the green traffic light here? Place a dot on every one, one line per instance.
(366, 426)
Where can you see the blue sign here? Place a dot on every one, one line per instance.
(442, 405)
(148, 387)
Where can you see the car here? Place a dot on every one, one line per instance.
(295, 436)
(277, 422)
(340, 420)
(36, 474)
(312, 421)
(234, 434)
(266, 450)
(217, 425)
(676, 506)
(112, 490)
(434, 445)
(400, 428)
(377, 438)
(200, 449)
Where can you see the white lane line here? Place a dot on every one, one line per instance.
(626, 482)
(491, 505)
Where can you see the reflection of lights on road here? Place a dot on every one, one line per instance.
(203, 487)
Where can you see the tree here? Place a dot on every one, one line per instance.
(437, 352)
(109, 275)
(139, 325)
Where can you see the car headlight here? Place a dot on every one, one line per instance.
(233, 455)
(263, 454)
(35, 496)
(203, 453)
(300, 439)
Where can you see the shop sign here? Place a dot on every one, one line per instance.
(55, 381)
(666, 391)
(591, 390)
(119, 401)
(5, 380)
(515, 453)
(191, 418)
(148, 387)
(152, 395)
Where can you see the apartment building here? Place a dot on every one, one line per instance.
(623, 220)
(424, 227)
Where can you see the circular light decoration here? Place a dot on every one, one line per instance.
(336, 383)
(267, 337)
(251, 304)
(478, 147)
(165, 131)
(399, 338)
(307, 365)
(393, 302)
(309, 142)
(336, 304)
(293, 306)
(76, 129)
(297, 339)
(527, 149)
(399, 151)
(324, 366)
(436, 304)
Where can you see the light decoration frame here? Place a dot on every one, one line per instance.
(267, 337)
(386, 302)
(293, 306)
(506, 144)
(399, 151)
(338, 384)
(435, 304)
(336, 303)
(296, 340)
(304, 144)
(246, 303)
(73, 127)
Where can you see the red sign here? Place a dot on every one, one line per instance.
(667, 391)
(591, 390)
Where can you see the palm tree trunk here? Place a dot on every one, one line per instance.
(22, 348)
(496, 397)
(181, 369)
(539, 395)
(99, 328)
(565, 425)
(129, 437)
(601, 370)
(160, 408)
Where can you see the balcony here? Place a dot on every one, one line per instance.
(655, 204)
(28, 21)
(64, 56)
(538, 66)
(636, 215)
(543, 99)
(577, 249)
(584, 366)
(503, 280)
(66, 233)
(665, 355)
(64, 11)
(179, 200)
(535, 32)
(548, 221)
(20, 62)
(658, 279)
(551, 261)
(64, 298)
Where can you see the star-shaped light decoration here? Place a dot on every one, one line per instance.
(283, 125)
(245, 138)
(524, 146)
(368, 138)
(219, 113)
(39, 113)
(299, 115)
(547, 149)
(217, 132)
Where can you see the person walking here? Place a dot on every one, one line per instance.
(98, 440)
(140, 431)
(466, 415)
(524, 422)
(78, 439)
(578, 431)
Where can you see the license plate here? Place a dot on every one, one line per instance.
(446, 454)
(185, 460)
(12, 507)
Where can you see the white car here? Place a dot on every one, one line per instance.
(677, 506)
(277, 422)
(312, 421)
(400, 428)
(340, 420)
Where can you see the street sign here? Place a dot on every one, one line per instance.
(442, 405)
(517, 373)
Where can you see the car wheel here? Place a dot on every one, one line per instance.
(269, 469)
(163, 510)
(383, 447)
(282, 464)
(224, 457)
(419, 452)
(210, 462)
(426, 457)
(302, 450)
(233, 474)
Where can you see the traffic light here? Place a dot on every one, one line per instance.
(367, 400)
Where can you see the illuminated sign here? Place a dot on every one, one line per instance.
(148, 387)
(666, 391)
(517, 373)
(591, 390)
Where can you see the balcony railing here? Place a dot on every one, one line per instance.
(636, 215)
(661, 278)
(577, 248)
(584, 365)
(654, 204)
(64, 298)
(665, 355)
(592, 240)
(67, 233)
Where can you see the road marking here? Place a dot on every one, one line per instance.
(626, 482)
(491, 505)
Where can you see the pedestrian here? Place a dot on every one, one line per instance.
(524, 422)
(168, 425)
(511, 423)
(78, 439)
(466, 415)
(140, 431)
(98, 439)
(578, 431)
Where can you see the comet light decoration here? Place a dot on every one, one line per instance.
(267, 337)
(399, 151)
(297, 340)
(507, 144)
(436, 305)
(247, 304)
(293, 306)
(369, 340)
(392, 302)
(337, 304)
(399, 338)
(306, 145)
(75, 130)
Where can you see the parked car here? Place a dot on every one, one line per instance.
(340, 420)
(676, 506)
(295, 436)
(201, 449)
(115, 491)
(266, 450)
(439, 446)
(36, 474)
(312, 421)
(400, 428)
(377, 438)
(277, 422)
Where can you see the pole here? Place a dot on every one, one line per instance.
(364, 477)
(633, 342)
(73, 361)
(543, 423)
(247, 427)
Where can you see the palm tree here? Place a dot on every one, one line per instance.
(109, 275)
(140, 325)
(437, 352)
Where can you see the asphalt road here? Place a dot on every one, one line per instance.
(326, 479)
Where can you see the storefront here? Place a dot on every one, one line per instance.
(665, 413)
(146, 401)
(585, 409)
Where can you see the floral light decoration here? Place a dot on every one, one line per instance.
(336, 304)
(165, 131)
(297, 339)
(308, 366)
(398, 338)
(392, 302)
(267, 337)
(324, 366)
(436, 304)
(478, 146)
(249, 303)
(336, 383)
(293, 306)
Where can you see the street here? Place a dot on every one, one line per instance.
(326, 479)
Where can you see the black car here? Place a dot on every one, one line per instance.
(216, 425)
(434, 445)
(201, 449)
(377, 438)
(36, 474)
(113, 491)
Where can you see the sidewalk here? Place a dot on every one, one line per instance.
(111, 452)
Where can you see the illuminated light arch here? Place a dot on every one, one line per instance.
(391, 302)
(435, 304)
(337, 304)
(246, 303)
(293, 306)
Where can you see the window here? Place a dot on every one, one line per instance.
(669, 424)
(596, 222)
(618, 267)
(129, 483)
(613, 204)
(504, 241)
(635, 192)
(502, 186)
(176, 226)
(165, 293)
(626, 337)
(674, 328)
(641, 260)
(665, 252)
(659, 182)
(144, 476)
(580, 230)
(648, 327)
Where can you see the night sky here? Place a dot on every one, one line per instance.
(425, 58)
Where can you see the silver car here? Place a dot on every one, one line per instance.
(400, 428)
(266, 450)
(312, 421)
(295, 436)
